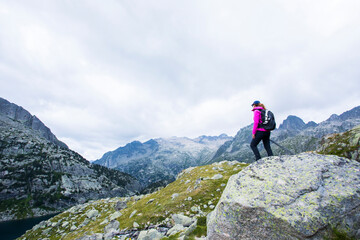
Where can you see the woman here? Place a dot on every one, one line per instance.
(259, 133)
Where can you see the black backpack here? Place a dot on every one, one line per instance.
(268, 120)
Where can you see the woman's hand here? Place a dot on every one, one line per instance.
(253, 136)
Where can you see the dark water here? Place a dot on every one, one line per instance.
(13, 229)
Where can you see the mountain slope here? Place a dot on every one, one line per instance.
(292, 134)
(191, 197)
(160, 160)
(39, 177)
(346, 144)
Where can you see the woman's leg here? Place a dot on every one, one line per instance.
(266, 142)
(254, 144)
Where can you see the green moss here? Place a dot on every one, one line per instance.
(172, 237)
(338, 235)
(200, 229)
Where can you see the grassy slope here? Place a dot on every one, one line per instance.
(204, 192)
(342, 144)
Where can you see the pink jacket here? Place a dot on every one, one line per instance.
(257, 120)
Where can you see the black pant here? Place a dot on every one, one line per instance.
(265, 137)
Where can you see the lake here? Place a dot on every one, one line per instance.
(13, 229)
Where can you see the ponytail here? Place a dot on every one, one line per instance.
(262, 105)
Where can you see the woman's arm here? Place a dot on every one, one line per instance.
(257, 116)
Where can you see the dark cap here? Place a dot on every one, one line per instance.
(255, 103)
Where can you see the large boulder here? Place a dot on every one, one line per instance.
(304, 196)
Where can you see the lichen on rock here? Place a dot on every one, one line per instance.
(289, 197)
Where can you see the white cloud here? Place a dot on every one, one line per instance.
(103, 74)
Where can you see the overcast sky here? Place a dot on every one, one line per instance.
(101, 74)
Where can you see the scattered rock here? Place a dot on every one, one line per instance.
(175, 195)
(65, 224)
(182, 220)
(115, 215)
(104, 222)
(96, 236)
(151, 234)
(110, 235)
(190, 229)
(176, 229)
(92, 214)
(112, 227)
(217, 176)
(73, 228)
(120, 205)
(195, 209)
(133, 213)
(86, 222)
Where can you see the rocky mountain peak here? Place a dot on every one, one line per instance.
(18, 113)
(351, 114)
(334, 117)
(348, 115)
(292, 123)
(311, 124)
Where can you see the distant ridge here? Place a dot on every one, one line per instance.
(158, 161)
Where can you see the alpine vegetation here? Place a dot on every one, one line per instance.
(177, 211)
(345, 144)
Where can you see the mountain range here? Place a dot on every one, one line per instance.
(158, 161)
(40, 174)
(293, 134)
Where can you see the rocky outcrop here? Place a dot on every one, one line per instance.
(345, 144)
(19, 114)
(303, 196)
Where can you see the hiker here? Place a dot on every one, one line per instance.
(259, 133)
